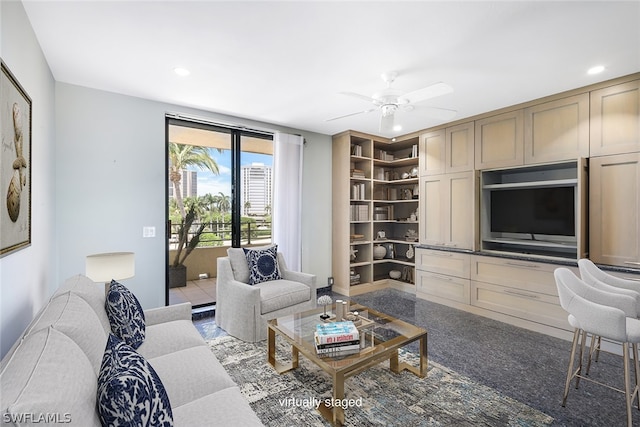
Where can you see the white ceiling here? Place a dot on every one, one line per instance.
(287, 62)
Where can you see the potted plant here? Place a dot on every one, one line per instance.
(187, 242)
(181, 156)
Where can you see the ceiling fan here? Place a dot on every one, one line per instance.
(390, 100)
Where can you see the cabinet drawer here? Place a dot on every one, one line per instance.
(526, 305)
(448, 263)
(525, 275)
(449, 287)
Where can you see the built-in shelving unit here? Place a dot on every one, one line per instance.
(382, 207)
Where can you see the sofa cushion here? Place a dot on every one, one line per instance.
(129, 390)
(169, 337)
(125, 314)
(229, 402)
(277, 294)
(263, 264)
(48, 375)
(191, 374)
(90, 291)
(74, 317)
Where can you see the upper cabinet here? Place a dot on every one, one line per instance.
(499, 141)
(447, 150)
(557, 130)
(615, 119)
(459, 150)
(614, 210)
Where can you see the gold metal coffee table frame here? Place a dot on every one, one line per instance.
(297, 330)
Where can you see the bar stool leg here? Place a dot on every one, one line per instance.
(627, 385)
(576, 335)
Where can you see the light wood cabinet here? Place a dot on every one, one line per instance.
(448, 210)
(499, 140)
(557, 130)
(459, 148)
(524, 275)
(615, 119)
(447, 150)
(614, 210)
(523, 289)
(442, 274)
(432, 153)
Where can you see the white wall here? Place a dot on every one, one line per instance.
(98, 177)
(111, 182)
(28, 277)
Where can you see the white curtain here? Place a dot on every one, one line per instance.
(287, 198)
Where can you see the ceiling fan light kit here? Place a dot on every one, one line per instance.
(390, 100)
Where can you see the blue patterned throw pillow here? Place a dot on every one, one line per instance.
(263, 264)
(130, 392)
(125, 314)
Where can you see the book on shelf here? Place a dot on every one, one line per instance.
(358, 191)
(359, 212)
(357, 173)
(356, 150)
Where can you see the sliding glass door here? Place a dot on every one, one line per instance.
(219, 194)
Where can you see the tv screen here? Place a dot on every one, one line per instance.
(548, 211)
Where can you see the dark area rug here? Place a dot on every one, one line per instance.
(379, 397)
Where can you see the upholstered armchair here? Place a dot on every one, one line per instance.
(243, 309)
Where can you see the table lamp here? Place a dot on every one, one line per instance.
(110, 266)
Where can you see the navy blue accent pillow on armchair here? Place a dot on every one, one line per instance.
(263, 264)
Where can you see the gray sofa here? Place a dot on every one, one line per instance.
(51, 373)
(243, 310)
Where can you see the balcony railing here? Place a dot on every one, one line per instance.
(219, 233)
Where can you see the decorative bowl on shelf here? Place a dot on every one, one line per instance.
(395, 274)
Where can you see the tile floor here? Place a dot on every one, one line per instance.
(197, 292)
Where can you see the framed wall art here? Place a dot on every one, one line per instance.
(15, 164)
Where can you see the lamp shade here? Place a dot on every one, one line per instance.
(108, 266)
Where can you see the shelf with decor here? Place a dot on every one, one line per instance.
(375, 188)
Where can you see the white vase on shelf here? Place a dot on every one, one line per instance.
(379, 252)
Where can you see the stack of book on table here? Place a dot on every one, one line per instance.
(337, 338)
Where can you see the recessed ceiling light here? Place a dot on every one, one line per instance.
(181, 71)
(596, 70)
(397, 128)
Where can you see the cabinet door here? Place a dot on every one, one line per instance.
(459, 148)
(432, 153)
(557, 130)
(614, 206)
(499, 141)
(615, 119)
(432, 209)
(447, 263)
(447, 210)
(460, 200)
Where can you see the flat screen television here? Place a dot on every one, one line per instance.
(547, 211)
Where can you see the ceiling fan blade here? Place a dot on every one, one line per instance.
(436, 89)
(386, 123)
(357, 95)
(351, 114)
(438, 113)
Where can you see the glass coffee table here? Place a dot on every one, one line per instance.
(382, 336)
